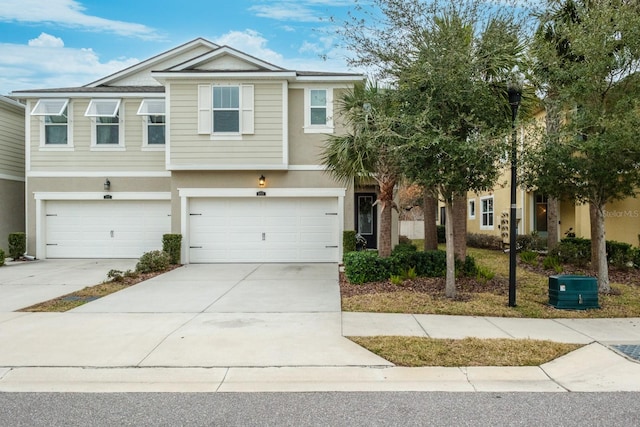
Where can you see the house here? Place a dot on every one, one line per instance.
(488, 212)
(202, 140)
(12, 178)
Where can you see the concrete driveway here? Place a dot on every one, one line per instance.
(26, 283)
(217, 315)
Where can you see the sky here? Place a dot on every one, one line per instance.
(66, 43)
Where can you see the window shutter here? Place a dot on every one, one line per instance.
(204, 109)
(247, 109)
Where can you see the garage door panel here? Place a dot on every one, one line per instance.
(105, 229)
(295, 229)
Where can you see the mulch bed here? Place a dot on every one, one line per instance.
(434, 286)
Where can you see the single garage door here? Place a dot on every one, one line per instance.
(263, 229)
(105, 228)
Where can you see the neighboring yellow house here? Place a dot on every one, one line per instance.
(11, 168)
(488, 213)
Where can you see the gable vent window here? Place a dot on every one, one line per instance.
(55, 129)
(153, 112)
(106, 115)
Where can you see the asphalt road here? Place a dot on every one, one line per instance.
(320, 409)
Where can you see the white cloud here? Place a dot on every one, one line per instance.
(46, 40)
(40, 66)
(285, 12)
(251, 42)
(70, 13)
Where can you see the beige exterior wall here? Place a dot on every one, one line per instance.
(84, 185)
(249, 179)
(264, 146)
(11, 210)
(82, 157)
(11, 170)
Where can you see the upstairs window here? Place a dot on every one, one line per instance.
(225, 111)
(318, 106)
(318, 110)
(106, 115)
(55, 123)
(153, 112)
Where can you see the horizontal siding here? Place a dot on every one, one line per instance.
(11, 141)
(262, 147)
(134, 159)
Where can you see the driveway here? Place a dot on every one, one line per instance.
(26, 283)
(214, 315)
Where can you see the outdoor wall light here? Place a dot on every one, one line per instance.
(262, 181)
(107, 185)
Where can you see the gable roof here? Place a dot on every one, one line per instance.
(201, 61)
(154, 61)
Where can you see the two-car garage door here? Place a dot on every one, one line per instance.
(258, 229)
(105, 228)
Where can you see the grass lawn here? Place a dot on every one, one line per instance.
(420, 351)
(475, 298)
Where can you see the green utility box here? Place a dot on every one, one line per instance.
(573, 292)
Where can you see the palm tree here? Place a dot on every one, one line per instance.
(367, 151)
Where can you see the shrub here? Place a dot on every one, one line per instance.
(171, 244)
(1, 257)
(484, 241)
(365, 266)
(349, 241)
(404, 247)
(396, 280)
(484, 274)
(404, 240)
(468, 267)
(115, 275)
(552, 262)
(619, 254)
(573, 250)
(530, 242)
(17, 245)
(153, 261)
(529, 257)
(426, 264)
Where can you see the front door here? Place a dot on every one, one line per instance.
(367, 218)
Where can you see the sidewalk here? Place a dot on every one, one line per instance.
(595, 367)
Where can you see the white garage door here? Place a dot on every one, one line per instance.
(263, 230)
(105, 228)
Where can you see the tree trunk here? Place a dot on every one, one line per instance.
(593, 215)
(384, 246)
(429, 208)
(450, 286)
(601, 245)
(459, 220)
(553, 215)
(552, 121)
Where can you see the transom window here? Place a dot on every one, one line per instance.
(226, 109)
(486, 205)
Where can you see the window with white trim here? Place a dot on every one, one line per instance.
(225, 110)
(106, 115)
(472, 209)
(153, 112)
(318, 110)
(486, 213)
(54, 129)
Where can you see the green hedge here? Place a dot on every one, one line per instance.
(349, 241)
(171, 244)
(367, 266)
(1, 257)
(17, 245)
(577, 251)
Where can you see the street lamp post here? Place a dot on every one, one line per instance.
(515, 95)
